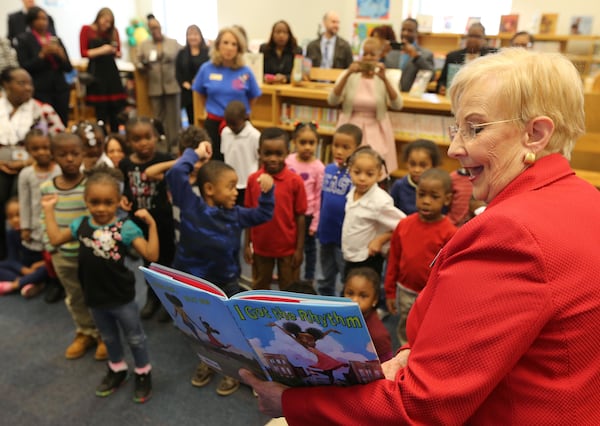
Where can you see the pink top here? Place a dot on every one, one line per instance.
(312, 175)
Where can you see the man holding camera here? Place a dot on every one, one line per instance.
(408, 55)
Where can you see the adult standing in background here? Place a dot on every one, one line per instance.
(189, 60)
(223, 79)
(100, 43)
(506, 330)
(474, 48)
(17, 22)
(279, 53)
(156, 57)
(365, 93)
(45, 58)
(330, 50)
(411, 58)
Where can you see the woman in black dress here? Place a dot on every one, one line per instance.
(279, 53)
(189, 59)
(100, 43)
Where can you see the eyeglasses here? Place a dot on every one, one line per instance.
(470, 131)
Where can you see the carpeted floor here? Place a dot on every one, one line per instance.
(39, 387)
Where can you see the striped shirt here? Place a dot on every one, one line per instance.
(70, 206)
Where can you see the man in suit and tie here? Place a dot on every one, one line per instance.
(474, 48)
(330, 50)
(411, 58)
(17, 23)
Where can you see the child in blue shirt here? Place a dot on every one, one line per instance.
(211, 228)
(336, 185)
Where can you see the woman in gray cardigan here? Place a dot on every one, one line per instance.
(156, 57)
(365, 93)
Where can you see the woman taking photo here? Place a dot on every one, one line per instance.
(100, 43)
(223, 79)
(45, 58)
(189, 60)
(506, 330)
(279, 53)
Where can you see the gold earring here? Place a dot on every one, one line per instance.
(529, 158)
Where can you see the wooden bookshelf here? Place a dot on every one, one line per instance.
(583, 50)
(430, 108)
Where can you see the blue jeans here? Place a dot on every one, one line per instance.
(127, 317)
(310, 251)
(332, 264)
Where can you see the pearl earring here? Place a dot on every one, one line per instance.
(529, 158)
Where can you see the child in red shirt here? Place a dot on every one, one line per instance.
(281, 240)
(362, 286)
(415, 243)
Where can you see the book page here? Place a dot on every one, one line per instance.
(204, 318)
(308, 344)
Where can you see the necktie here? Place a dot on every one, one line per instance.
(325, 62)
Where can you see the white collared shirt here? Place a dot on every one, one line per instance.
(369, 216)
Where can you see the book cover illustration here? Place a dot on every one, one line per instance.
(295, 339)
(548, 23)
(309, 343)
(419, 86)
(508, 24)
(204, 318)
(581, 25)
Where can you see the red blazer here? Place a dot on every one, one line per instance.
(506, 329)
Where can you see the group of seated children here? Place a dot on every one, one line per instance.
(91, 222)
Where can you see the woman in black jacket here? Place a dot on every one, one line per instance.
(279, 53)
(189, 59)
(45, 58)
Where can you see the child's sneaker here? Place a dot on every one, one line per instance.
(227, 386)
(143, 387)
(111, 382)
(6, 287)
(202, 375)
(31, 290)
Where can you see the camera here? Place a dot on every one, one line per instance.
(397, 46)
(367, 66)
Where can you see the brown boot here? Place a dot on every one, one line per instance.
(101, 351)
(80, 345)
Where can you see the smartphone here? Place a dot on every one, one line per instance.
(396, 46)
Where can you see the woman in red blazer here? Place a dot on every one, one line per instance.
(506, 329)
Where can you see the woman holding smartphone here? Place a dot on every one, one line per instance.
(100, 43)
(45, 58)
(365, 94)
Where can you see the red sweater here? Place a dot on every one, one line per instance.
(413, 247)
(506, 329)
(277, 238)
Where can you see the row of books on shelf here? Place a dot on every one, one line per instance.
(545, 23)
(406, 125)
(326, 118)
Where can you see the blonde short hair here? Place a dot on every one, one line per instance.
(531, 84)
(215, 55)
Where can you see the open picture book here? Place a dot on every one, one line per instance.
(292, 338)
